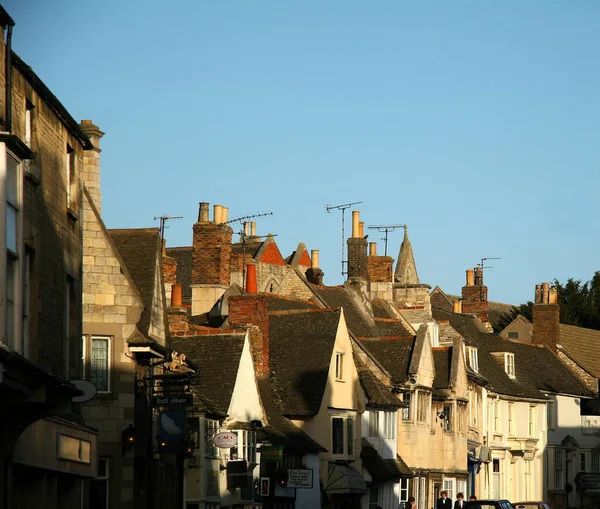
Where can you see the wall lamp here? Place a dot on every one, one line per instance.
(128, 437)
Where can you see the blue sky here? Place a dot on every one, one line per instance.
(474, 122)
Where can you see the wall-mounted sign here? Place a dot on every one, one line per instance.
(88, 389)
(271, 453)
(74, 449)
(300, 478)
(184, 399)
(588, 481)
(171, 425)
(237, 474)
(225, 440)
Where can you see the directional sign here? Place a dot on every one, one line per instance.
(184, 399)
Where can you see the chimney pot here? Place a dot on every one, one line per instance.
(203, 208)
(251, 282)
(373, 248)
(176, 291)
(246, 226)
(457, 306)
(470, 277)
(361, 227)
(545, 293)
(356, 224)
(218, 214)
(553, 296)
(253, 228)
(478, 274)
(225, 217)
(314, 258)
(538, 294)
(86, 122)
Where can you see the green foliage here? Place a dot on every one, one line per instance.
(579, 304)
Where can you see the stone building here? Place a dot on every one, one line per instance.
(47, 452)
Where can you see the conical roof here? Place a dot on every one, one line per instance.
(406, 270)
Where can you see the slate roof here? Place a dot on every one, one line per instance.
(377, 393)
(140, 248)
(183, 256)
(536, 368)
(383, 469)
(416, 316)
(278, 303)
(280, 430)
(394, 354)
(497, 311)
(583, 346)
(250, 247)
(446, 334)
(339, 296)
(300, 350)
(442, 358)
(217, 357)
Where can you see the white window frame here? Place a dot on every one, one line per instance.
(473, 403)
(531, 421)
(373, 424)
(509, 364)
(69, 174)
(461, 487)
(339, 366)
(550, 415)
(211, 428)
(420, 492)
(511, 419)
(496, 478)
(403, 492)
(348, 451)
(496, 416)
(246, 446)
(473, 358)
(449, 486)
(390, 420)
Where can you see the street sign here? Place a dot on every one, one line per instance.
(185, 399)
(300, 478)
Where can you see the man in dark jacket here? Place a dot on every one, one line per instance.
(460, 503)
(444, 502)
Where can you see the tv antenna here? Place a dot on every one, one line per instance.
(244, 220)
(163, 220)
(483, 260)
(343, 208)
(387, 228)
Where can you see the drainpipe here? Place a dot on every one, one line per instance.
(8, 76)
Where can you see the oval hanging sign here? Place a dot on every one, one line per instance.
(225, 440)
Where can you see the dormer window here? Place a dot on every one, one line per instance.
(472, 358)
(509, 364)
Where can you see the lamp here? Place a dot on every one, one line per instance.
(128, 437)
(441, 415)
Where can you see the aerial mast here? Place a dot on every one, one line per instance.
(343, 208)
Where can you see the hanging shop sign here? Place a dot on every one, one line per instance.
(225, 440)
(271, 453)
(185, 399)
(300, 478)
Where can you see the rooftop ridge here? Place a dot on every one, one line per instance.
(302, 311)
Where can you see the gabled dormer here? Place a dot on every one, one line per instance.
(472, 357)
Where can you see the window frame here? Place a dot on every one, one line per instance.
(531, 421)
(373, 424)
(509, 364)
(105, 478)
(559, 469)
(348, 424)
(339, 366)
(447, 421)
(390, 421)
(473, 358)
(87, 356)
(423, 407)
(406, 411)
(595, 462)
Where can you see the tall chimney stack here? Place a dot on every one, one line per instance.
(314, 274)
(475, 296)
(91, 163)
(357, 250)
(546, 316)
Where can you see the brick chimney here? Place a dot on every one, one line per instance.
(211, 258)
(357, 249)
(475, 295)
(546, 316)
(253, 311)
(169, 270)
(251, 282)
(314, 274)
(91, 162)
(379, 268)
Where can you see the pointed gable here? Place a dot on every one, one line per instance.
(269, 253)
(406, 269)
(300, 257)
(140, 250)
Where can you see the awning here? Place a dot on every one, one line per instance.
(343, 479)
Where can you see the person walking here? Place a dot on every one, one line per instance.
(460, 503)
(444, 502)
(410, 503)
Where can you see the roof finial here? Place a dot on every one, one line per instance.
(406, 269)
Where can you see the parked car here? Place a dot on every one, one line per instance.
(530, 505)
(488, 504)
